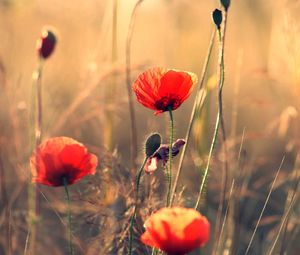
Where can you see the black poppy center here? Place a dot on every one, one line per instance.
(167, 102)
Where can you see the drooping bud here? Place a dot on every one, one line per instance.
(217, 17)
(226, 4)
(152, 144)
(46, 43)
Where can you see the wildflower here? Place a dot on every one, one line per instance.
(176, 230)
(61, 159)
(46, 43)
(162, 153)
(162, 89)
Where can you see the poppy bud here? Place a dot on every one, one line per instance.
(46, 43)
(152, 144)
(226, 4)
(217, 17)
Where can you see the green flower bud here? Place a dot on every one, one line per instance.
(217, 17)
(152, 144)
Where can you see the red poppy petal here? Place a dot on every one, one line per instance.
(198, 230)
(60, 158)
(147, 239)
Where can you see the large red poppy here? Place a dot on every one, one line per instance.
(176, 230)
(61, 159)
(162, 89)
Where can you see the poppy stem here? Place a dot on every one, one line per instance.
(219, 119)
(170, 156)
(198, 103)
(69, 216)
(132, 219)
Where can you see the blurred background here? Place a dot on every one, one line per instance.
(85, 97)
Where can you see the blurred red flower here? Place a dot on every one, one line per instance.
(46, 43)
(162, 89)
(176, 230)
(61, 159)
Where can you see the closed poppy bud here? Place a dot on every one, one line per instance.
(152, 144)
(226, 4)
(217, 17)
(176, 230)
(46, 43)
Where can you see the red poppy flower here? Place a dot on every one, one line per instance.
(162, 89)
(176, 230)
(59, 159)
(46, 43)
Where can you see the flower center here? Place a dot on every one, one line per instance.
(168, 102)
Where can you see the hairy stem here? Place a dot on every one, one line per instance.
(170, 157)
(132, 219)
(69, 217)
(196, 106)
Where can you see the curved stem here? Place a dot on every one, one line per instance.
(225, 171)
(197, 103)
(69, 217)
(128, 83)
(132, 219)
(219, 119)
(170, 157)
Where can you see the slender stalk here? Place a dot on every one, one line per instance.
(197, 104)
(133, 130)
(69, 217)
(219, 120)
(225, 171)
(111, 91)
(132, 219)
(264, 207)
(170, 156)
(36, 118)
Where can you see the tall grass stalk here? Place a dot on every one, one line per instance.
(133, 129)
(264, 207)
(291, 199)
(198, 103)
(37, 118)
(110, 91)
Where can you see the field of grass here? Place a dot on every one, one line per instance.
(239, 167)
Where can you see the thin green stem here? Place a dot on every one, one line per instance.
(132, 219)
(69, 217)
(170, 157)
(225, 172)
(219, 119)
(197, 104)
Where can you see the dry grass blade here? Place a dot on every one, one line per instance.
(226, 214)
(293, 198)
(264, 207)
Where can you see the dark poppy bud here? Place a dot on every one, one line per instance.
(152, 144)
(217, 17)
(226, 4)
(46, 43)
